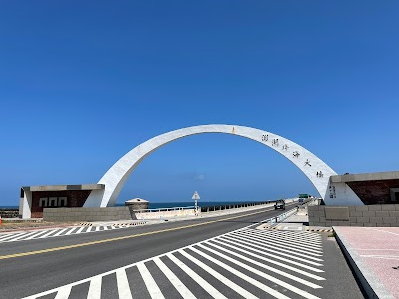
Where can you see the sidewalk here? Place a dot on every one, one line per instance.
(373, 253)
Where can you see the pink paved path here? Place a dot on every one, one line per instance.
(378, 249)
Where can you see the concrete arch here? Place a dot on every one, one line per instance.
(116, 176)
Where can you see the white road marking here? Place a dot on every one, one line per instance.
(80, 230)
(22, 236)
(60, 232)
(64, 292)
(149, 281)
(271, 269)
(270, 260)
(291, 240)
(232, 247)
(174, 280)
(253, 244)
(123, 284)
(95, 288)
(255, 271)
(297, 235)
(200, 281)
(241, 275)
(48, 233)
(70, 231)
(285, 244)
(11, 236)
(219, 276)
(288, 250)
(36, 235)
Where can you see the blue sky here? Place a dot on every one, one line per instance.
(84, 82)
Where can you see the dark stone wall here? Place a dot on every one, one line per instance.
(374, 192)
(75, 198)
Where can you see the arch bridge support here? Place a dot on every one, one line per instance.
(314, 168)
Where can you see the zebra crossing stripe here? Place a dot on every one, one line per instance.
(150, 283)
(24, 235)
(219, 276)
(198, 279)
(95, 288)
(286, 244)
(241, 275)
(277, 253)
(60, 232)
(89, 229)
(11, 236)
(255, 271)
(36, 235)
(47, 234)
(4, 236)
(70, 231)
(263, 252)
(314, 238)
(80, 230)
(174, 280)
(271, 269)
(64, 292)
(123, 284)
(270, 260)
(97, 228)
(293, 242)
(280, 250)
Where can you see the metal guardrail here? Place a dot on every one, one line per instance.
(280, 217)
(287, 214)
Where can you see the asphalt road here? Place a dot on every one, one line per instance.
(34, 266)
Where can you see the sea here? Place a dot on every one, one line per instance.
(175, 204)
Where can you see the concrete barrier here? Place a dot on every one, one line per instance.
(87, 214)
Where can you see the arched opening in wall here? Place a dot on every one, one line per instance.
(220, 167)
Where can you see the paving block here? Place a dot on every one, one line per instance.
(374, 207)
(388, 207)
(369, 213)
(361, 208)
(337, 213)
(382, 213)
(362, 219)
(356, 224)
(356, 213)
(376, 220)
(393, 213)
(389, 220)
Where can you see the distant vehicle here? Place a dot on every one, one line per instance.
(301, 200)
(279, 205)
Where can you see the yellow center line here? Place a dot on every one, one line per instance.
(2, 257)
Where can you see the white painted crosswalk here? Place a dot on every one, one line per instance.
(246, 263)
(56, 232)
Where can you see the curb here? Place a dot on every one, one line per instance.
(129, 224)
(309, 229)
(371, 285)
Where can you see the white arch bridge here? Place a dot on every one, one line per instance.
(314, 168)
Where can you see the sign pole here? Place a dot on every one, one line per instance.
(195, 197)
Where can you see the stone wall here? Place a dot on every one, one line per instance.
(87, 214)
(367, 215)
(76, 198)
(374, 192)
